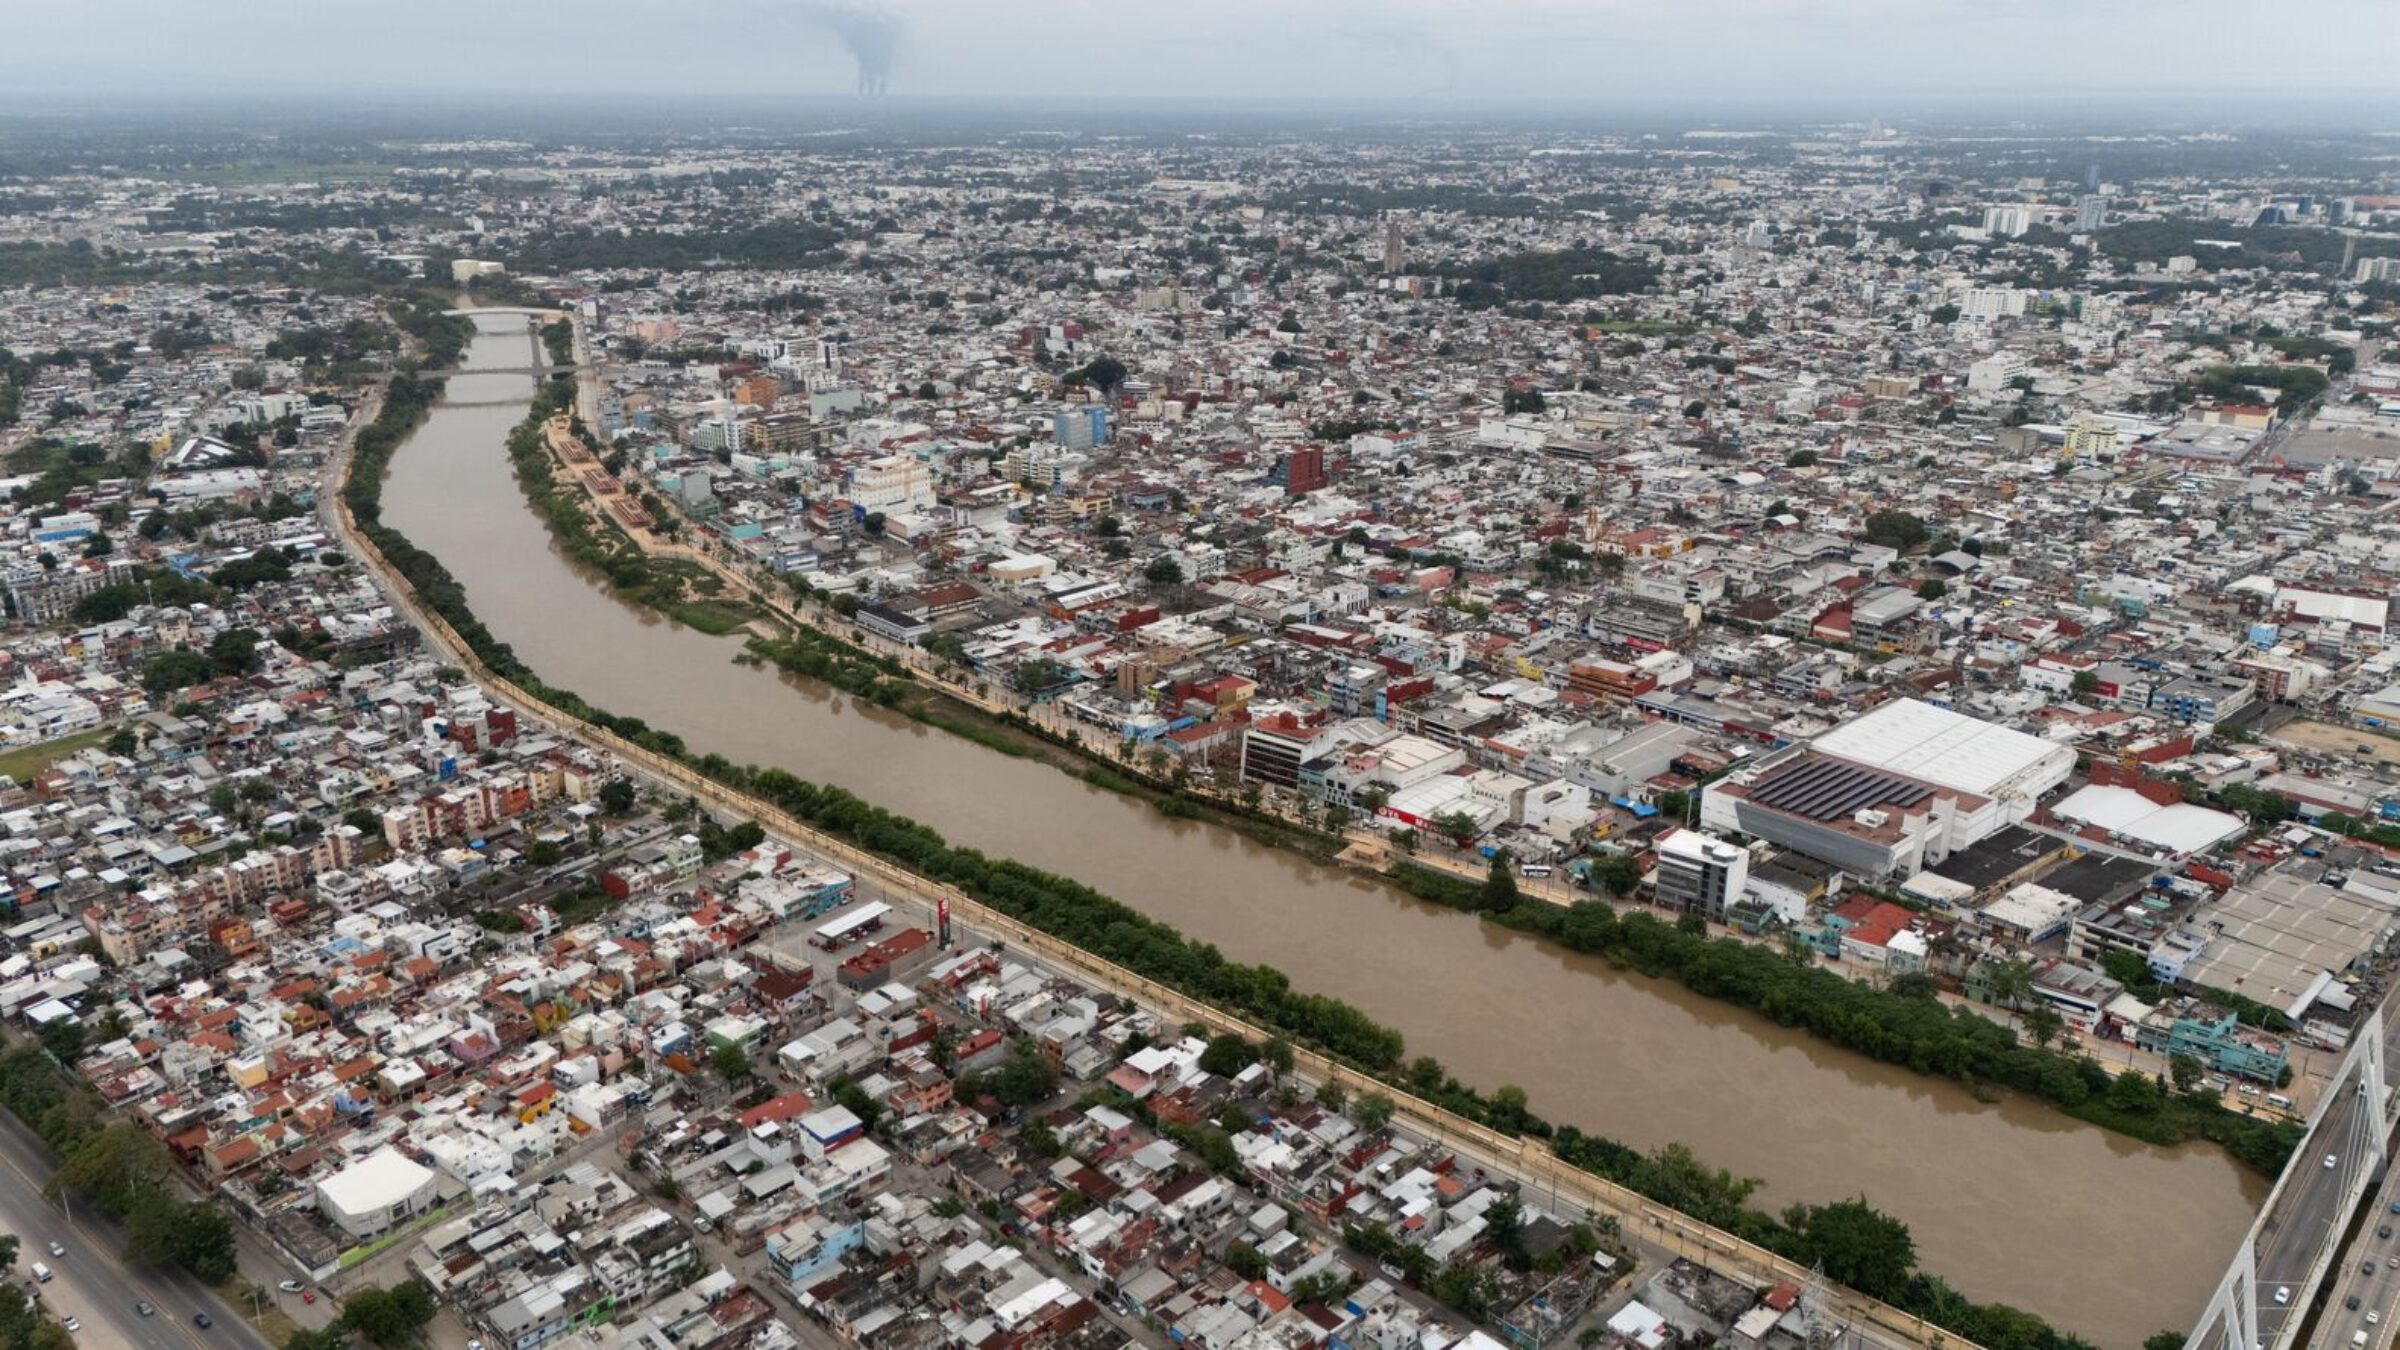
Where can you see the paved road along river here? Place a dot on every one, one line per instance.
(2012, 1201)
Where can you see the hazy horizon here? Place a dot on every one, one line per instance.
(1395, 53)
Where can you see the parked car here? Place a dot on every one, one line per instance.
(72, 1324)
(290, 1286)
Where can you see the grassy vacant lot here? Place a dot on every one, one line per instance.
(25, 761)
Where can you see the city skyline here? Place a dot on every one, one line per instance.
(1393, 676)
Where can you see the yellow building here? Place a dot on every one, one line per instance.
(2091, 436)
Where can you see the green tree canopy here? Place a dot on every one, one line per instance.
(1227, 1054)
(1499, 893)
(170, 671)
(1458, 826)
(1373, 1111)
(391, 1317)
(2136, 1092)
(730, 1061)
(1024, 1078)
(1898, 529)
(1858, 1245)
(1616, 873)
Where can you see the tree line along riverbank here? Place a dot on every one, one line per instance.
(1863, 1248)
(686, 591)
(1921, 1034)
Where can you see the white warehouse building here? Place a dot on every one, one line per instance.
(1892, 792)
(2008, 768)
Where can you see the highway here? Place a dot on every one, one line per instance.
(2368, 1270)
(2312, 1208)
(90, 1282)
(2370, 1273)
(2310, 1212)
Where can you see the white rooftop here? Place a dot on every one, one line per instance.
(1949, 749)
(2177, 828)
(2031, 907)
(375, 1182)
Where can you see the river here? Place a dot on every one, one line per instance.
(2012, 1201)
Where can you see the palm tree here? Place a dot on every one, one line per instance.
(2043, 1023)
(2010, 983)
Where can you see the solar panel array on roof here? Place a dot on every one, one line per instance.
(1828, 789)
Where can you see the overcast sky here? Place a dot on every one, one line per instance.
(1185, 49)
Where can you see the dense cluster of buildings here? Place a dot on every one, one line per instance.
(402, 978)
(1933, 563)
(1901, 549)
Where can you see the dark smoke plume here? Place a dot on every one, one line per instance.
(871, 36)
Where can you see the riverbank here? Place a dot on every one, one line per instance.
(648, 565)
(1923, 1034)
(2026, 1205)
(1156, 954)
(1336, 1041)
(1916, 1034)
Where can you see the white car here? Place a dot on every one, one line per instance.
(2283, 1294)
(2330, 1160)
(58, 1249)
(72, 1324)
(291, 1286)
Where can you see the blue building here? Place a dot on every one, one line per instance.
(803, 1251)
(2218, 1040)
(1080, 427)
